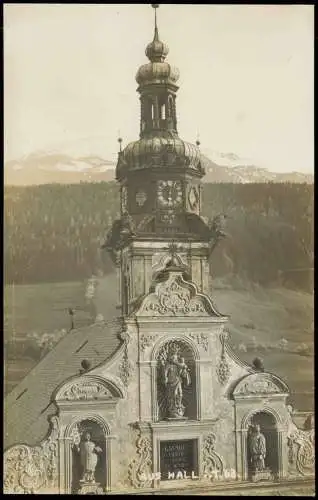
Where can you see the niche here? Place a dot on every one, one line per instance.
(176, 382)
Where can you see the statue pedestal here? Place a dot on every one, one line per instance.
(263, 475)
(90, 488)
(174, 419)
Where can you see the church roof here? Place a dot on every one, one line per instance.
(28, 406)
(157, 72)
(159, 149)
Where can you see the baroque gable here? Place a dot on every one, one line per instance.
(258, 385)
(88, 388)
(177, 297)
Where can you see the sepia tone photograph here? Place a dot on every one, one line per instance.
(159, 249)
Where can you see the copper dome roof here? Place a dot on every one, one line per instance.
(156, 72)
(166, 149)
(157, 51)
(158, 145)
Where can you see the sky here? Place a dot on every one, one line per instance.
(246, 78)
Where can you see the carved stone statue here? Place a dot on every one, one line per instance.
(218, 226)
(176, 373)
(257, 449)
(89, 457)
(127, 225)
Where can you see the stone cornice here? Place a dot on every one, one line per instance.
(198, 426)
(181, 320)
(75, 406)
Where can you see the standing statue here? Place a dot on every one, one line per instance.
(89, 457)
(175, 372)
(257, 449)
(218, 226)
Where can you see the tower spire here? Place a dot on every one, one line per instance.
(155, 6)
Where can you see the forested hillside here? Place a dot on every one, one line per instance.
(54, 232)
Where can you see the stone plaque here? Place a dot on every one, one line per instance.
(178, 459)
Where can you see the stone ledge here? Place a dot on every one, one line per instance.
(183, 424)
(289, 487)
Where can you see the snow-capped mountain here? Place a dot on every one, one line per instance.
(228, 167)
(43, 167)
(47, 168)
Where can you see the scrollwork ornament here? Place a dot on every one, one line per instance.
(91, 489)
(212, 462)
(125, 368)
(258, 387)
(86, 390)
(201, 340)
(223, 369)
(124, 336)
(140, 468)
(29, 469)
(177, 297)
(302, 451)
(147, 341)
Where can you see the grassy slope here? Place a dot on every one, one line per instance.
(38, 308)
(268, 315)
(42, 307)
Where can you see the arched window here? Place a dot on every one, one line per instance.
(149, 110)
(163, 111)
(170, 107)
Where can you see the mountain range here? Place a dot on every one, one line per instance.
(43, 167)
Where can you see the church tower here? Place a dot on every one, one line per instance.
(160, 189)
(158, 394)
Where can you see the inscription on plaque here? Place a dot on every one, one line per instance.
(178, 459)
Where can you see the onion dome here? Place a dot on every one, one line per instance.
(157, 51)
(156, 151)
(157, 70)
(156, 73)
(136, 152)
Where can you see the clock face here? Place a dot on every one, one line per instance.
(169, 193)
(193, 198)
(124, 197)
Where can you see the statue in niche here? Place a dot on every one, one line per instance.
(257, 447)
(176, 373)
(88, 452)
